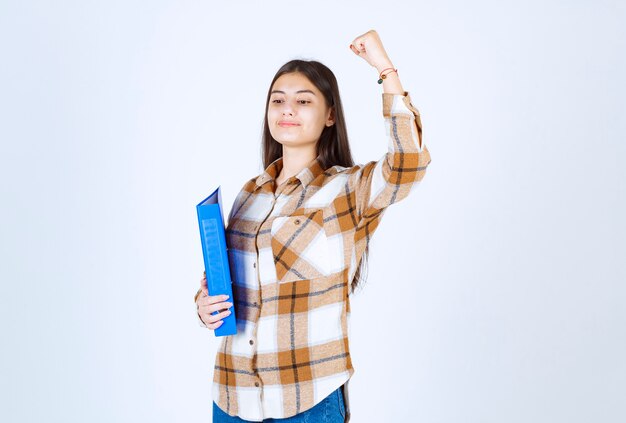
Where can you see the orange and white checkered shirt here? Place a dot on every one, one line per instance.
(293, 253)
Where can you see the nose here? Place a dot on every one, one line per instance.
(287, 109)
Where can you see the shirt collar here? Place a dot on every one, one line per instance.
(306, 175)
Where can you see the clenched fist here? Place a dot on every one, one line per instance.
(369, 47)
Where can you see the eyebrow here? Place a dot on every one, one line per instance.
(297, 92)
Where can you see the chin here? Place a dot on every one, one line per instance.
(288, 141)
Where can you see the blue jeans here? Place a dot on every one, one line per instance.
(330, 410)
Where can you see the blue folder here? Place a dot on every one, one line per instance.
(215, 252)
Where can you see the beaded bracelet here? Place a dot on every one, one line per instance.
(381, 76)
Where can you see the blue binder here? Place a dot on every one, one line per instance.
(215, 252)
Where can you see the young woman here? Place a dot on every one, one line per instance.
(297, 236)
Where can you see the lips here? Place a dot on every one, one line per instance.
(287, 124)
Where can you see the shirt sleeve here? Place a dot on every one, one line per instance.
(381, 183)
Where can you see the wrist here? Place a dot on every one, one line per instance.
(384, 65)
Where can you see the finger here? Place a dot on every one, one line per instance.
(213, 318)
(213, 299)
(359, 45)
(215, 325)
(210, 308)
(222, 315)
(210, 325)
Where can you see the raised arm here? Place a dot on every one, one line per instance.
(383, 182)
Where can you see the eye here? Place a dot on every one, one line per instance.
(299, 101)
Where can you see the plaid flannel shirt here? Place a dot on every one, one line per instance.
(293, 251)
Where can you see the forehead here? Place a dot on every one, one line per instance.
(291, 83)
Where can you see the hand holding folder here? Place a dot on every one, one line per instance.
(207, 304)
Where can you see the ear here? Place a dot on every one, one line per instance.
(330, 120)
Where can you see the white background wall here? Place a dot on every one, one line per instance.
(505, 301)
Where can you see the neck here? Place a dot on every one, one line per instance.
(294, 161)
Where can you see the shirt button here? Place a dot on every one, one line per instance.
(254, 265)
(256, 384)
(254, 304)
(297, 221)
(251, 342)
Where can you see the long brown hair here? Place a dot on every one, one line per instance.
(332, 147)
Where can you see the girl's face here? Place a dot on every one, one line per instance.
(297, 112)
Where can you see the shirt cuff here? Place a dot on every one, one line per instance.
(195, 299)
(398, 104)
(200, 322)
(401, 107)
